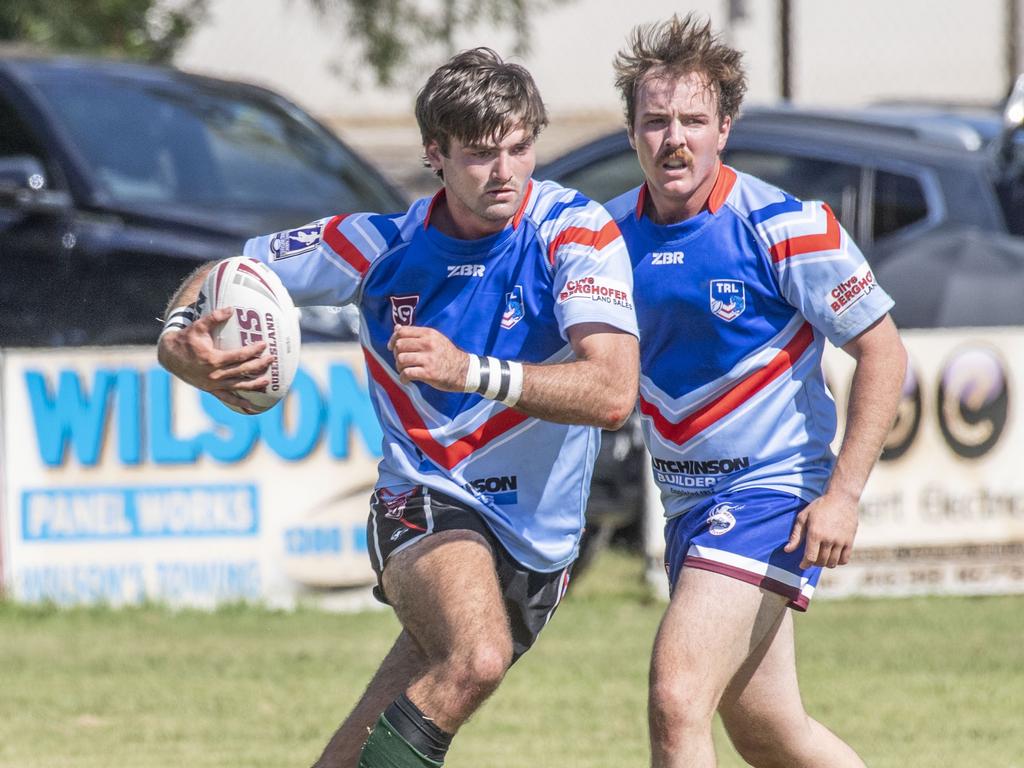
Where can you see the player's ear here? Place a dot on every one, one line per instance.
(432, 152)
(723, 132)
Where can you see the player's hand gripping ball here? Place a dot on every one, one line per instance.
(263, 311)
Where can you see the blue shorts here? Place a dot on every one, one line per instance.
(741, 534)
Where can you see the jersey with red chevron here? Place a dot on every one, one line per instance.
(734, 306)
(513, 295)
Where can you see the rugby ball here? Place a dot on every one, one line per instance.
(263, 311)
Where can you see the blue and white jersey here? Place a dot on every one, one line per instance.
(513, 295)
(734, 306)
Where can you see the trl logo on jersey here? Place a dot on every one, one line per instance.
(515, 308)
(466, 270)
(852, 289)
(403, 308)
(293, 242)
(664, 258)
(728, 299)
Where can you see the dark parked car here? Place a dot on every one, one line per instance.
(116, 180)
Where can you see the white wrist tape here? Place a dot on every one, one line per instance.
(473, 374)
(495, 379)
(179, 319)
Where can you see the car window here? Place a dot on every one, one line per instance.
(607, 178)
(807, 178)
(154, 141)
(899, 201)
(15, 139)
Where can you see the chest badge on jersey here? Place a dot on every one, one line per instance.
(294, 242)
(515, 308)
(728, 299)
(403, 309)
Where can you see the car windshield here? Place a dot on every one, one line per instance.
(157, 140)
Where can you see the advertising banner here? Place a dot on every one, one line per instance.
(120, 484)
(943, 511)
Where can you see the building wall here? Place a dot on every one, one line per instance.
(845, 51)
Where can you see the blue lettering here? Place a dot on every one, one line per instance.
(348, 405)
(69, 415)
(164, 446)
(235, 439)
(305, 401)
(129, 416)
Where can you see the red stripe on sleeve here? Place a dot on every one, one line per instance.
(342, 246)
(445, 456)
(583, 236)
(703, 418)
(795, 246)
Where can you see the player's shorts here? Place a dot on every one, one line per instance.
(399, 520)
(741, 534)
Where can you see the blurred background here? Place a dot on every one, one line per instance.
(139, 138)
(357, 65)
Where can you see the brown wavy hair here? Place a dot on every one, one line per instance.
(677, 47)
(477, 96)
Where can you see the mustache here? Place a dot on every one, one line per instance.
(678, 153)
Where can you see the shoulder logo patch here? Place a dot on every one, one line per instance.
(728, 299)
(294, 242)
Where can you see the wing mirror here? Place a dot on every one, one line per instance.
(24, 185)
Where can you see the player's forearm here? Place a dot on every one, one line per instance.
(188, 291)
(874, 398)
(581, 392)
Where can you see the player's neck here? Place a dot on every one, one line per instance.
(665, 209)
(459, 222)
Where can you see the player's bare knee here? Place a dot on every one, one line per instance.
(477, 667)
(679, 707)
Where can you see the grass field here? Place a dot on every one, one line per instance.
(915, 682)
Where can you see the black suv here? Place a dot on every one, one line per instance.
(117, 179)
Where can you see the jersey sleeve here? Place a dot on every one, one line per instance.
(323, 263)
(593, 278)
(821, 271)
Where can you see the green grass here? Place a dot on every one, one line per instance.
(913, 682)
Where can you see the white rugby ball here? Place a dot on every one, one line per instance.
(263, 311)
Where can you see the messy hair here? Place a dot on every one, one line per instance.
(477, 97)
(679, 47)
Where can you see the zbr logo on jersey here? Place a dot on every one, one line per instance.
(403, 308)
(722, 520)
(515, 308)
(284, 245)
(728, 299)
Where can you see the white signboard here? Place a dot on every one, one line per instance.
(120, 484)
(943, 511)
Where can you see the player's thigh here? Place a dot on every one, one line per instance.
(445, 591)
(712, 625)
(762, 702)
